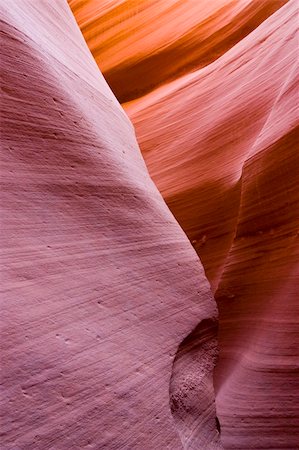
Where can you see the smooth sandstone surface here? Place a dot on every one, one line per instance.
(109, 327)
(108, 323)
(141, 44)
(221, 144)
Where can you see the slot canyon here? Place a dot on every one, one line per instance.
(149, 225)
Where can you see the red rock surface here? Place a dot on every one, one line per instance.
(140, 44)
(109, 324)
(104, 299)
(221, 144)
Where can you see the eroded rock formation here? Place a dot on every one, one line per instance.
(140, 44)
(100, 285)
(109, 328)
(221, 144)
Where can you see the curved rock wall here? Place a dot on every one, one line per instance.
(141, 44)
(227, 165)
(221, 144)
(100, 284)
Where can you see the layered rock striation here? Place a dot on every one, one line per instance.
(142, 44)
(221, 144)
(100, 285)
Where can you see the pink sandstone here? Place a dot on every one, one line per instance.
(101, 288)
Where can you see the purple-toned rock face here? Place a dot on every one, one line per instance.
(108, 323)
(221, 143)
(109, 328)
(218, 128)
(231, 180)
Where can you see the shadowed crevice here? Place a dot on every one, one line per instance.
(191, 388)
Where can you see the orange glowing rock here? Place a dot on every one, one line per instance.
(221, 144)
(101, 287)
(140, 44)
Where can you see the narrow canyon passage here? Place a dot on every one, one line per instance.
(218, 129)
(131, 201)
(100, 283)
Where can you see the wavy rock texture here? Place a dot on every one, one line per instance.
(221, 145)
(140, 44)
(101, 287)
